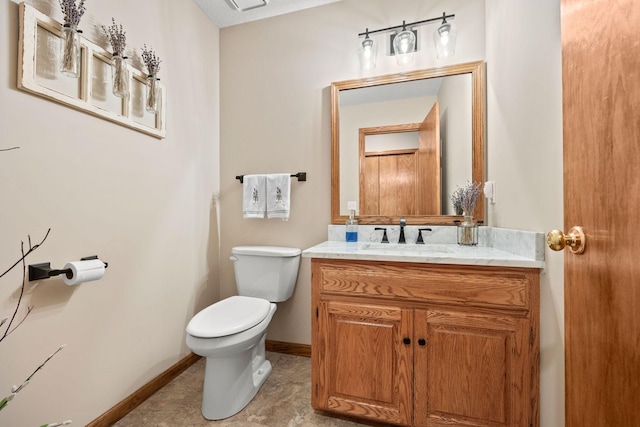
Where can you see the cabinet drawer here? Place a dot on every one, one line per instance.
(494, 287)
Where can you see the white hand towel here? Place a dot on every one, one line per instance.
(278, 195)
(254, 201)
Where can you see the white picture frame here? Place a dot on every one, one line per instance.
(38, 73)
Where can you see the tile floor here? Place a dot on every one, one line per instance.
(283, 401)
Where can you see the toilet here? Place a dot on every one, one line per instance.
(231, 333)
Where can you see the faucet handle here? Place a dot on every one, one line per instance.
(384, 235)
(420, 230)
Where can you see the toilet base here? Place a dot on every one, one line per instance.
(231, 382)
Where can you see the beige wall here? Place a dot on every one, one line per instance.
(147, 206)
(456, 135)
(524, 127)
(142, 204)
(275, 78)
(275, 117)
(355, 117)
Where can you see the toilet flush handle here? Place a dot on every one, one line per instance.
(233, 258)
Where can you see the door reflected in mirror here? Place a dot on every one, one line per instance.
(401, 144)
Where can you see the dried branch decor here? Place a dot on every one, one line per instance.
(7, 323)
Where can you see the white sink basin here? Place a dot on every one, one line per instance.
(408, 247)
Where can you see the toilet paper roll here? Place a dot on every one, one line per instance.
(83, 271)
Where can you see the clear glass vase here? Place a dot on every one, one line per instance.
(70, 51)
(153, 94)
(120, 77)
(468, 231)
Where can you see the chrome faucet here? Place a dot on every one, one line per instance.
(403, 224)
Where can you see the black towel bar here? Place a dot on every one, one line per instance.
(302, 176)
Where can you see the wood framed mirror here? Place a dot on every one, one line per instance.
(433, 124)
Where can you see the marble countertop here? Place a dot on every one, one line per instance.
(441, 253)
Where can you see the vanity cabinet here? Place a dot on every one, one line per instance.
(426, 344)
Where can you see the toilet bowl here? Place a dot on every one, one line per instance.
(236, 366)
(231, 333)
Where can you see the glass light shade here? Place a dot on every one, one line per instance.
(367, 53)
(404, 44)
(444, 38)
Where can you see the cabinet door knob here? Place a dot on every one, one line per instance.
(422, 342)
(407, 340)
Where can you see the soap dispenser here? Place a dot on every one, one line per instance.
(352, 224)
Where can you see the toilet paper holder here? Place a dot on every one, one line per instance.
(44, 270)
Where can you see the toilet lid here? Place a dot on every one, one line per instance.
(229, 316)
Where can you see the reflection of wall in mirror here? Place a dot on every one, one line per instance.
(352, 118)
(456, 136)
(391, 141)
(455, 101)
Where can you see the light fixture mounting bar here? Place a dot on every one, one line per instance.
(411, 24)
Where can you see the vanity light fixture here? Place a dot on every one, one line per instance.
(404, 42)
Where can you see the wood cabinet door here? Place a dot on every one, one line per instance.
(363, 365)
(471, 370)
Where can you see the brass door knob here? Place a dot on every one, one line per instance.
(575, 240)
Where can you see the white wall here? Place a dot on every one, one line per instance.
(142, 204)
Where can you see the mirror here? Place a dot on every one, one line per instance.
(402, 143)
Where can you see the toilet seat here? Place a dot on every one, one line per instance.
(229, 316)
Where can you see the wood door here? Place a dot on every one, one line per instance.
(429, 173)
(601, 118)
(402, 182)
(397, 184)
(388, 187)
(364, 367)
(471, 369)
(388, 174)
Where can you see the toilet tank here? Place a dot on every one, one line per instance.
(268, 272)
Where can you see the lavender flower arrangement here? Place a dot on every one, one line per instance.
(72, 12)
(464, 199)
(456, 201)
(153, 67)
(151, 61)
(117, 37)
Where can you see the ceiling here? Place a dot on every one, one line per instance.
(223, 13)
